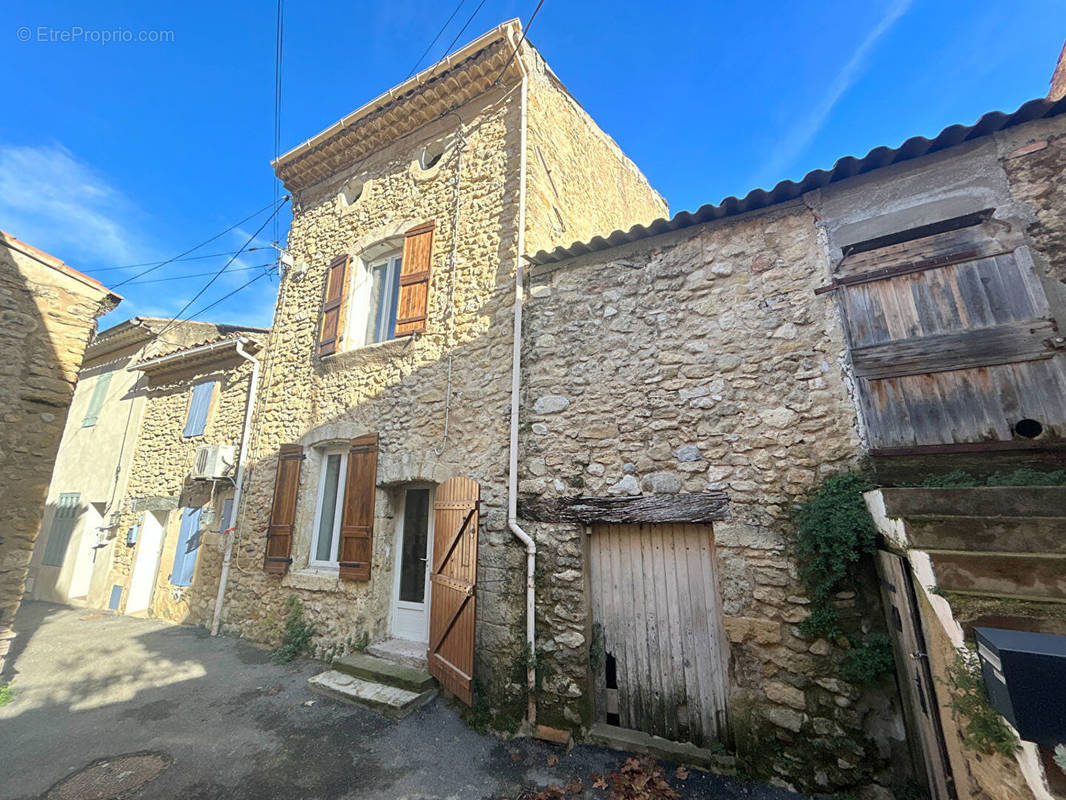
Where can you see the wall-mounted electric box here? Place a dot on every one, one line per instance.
(1025, 676)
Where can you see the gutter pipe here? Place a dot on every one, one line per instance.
(249, 407)
(516, 374)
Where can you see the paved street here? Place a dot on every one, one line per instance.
(91, 686)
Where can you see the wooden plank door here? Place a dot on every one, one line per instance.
(953, 343)
(454, 584)
(920, 709)
(657, 608)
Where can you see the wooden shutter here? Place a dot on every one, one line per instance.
(283, 511)
(357, 521)
(333, 305)
(454, 583)
(951, 340)
(96, 402)
(414, 280)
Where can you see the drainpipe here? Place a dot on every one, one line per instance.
(249, 407)
(516, 365)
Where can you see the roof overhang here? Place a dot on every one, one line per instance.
(107, 298)
(195, 356)
(428, 96)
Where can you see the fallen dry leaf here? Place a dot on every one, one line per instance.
(681, 773)
(573, 787)
(553, 760)
(516, 756)
(598, 781)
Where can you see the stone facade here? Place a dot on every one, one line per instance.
(48, 312)
(440, 400)
(159, 481)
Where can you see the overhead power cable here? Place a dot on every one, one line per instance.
(170, 261)
(279, 33)
(525, 30)
(202, 244)
(215, 277)
(201, 274)
(462, 30)
(435, 38)
(225, 297)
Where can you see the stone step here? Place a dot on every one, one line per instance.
(388, 700)
(1027, 577)
(979, 501)
(402, 651)
(379, 670)
(988, 534)
(617, 738)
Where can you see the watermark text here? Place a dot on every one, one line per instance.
(77, 34)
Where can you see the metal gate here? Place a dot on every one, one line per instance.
(952, 339)
(453, 579)
(660, 653)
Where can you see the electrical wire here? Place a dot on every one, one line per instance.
(279, 34)
(224, 297)
(435, 38)
(462, 30)
(525, 30)
(193, 249)
(201, 274)
(215, 277)
(159, 263)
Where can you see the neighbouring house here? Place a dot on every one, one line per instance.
(107, 433)
(48, 313)
(569, 492)
(167, 559)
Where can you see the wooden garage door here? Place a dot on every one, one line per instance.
(655, 602)
(953, 342)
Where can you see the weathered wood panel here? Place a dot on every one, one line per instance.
(953, 355)
(695, 507)
(655, 598)
(453, 604)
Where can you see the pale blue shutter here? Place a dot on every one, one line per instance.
(227, 514)
(66, 512)
(188, 546)
(198, 408)
(96, 402)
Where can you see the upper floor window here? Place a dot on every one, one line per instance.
(199, 408)
(383, 295)
(96, 402)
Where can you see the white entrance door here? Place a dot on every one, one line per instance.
(149, 546)
(414, 537)
(86, 551)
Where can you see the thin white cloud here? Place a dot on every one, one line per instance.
(803, 132)
(55, 202)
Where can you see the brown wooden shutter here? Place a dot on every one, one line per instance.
(333, 305)
(414, 280)
(283, 511)
(357, 522)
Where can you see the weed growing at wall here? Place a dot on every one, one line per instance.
(984, 730)
(834, 531)
(296, 637)
(7, 694)
(870, 661)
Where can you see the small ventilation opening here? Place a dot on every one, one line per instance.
(352, 191)
(431, 155)
(1028, 428)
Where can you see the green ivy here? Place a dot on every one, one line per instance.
(985, 731)
(870, 661)
(1020, 477)
(296, 637)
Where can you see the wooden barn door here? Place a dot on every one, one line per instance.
(953, 342)
(663, 664)
(454, 585)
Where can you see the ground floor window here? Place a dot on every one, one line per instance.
(329, 507)
(415, 543)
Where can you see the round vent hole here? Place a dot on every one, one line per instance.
(1028, 428)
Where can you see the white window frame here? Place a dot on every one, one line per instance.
(338, 513)
(389, 253)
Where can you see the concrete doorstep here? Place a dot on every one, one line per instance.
(391, 701)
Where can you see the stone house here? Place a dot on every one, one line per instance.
(549, 484)
(48, 312)
(167, 558)
(387, 376)
(900, 311)
(88, 493)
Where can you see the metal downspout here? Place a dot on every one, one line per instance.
(249, 407)
(516, 367)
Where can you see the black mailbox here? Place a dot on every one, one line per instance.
(1025, 676)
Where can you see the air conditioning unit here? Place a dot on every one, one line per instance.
(214, 462)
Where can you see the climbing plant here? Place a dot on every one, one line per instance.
(985, 731)
(834, 531)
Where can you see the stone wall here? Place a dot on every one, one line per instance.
(693, 361)
(580, 184)
(159, 479)
(47, 314)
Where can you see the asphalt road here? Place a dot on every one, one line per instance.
(92, 686)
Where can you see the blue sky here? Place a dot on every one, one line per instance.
(120, 153)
